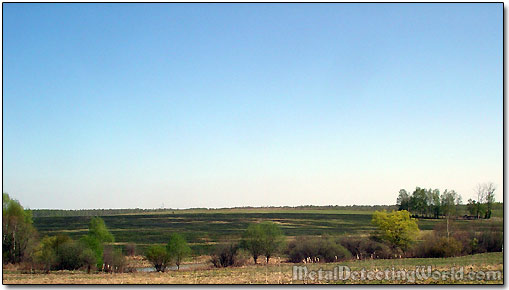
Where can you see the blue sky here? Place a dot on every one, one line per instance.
(216, 105)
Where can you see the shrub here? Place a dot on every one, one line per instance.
(130, 249)
(158, 256)
(45, 254)
(323, 249)
(434, 246)
(225, 255)
(114, 260)
(491, 241)
(69, 256)
(88, 259)
(364, 248)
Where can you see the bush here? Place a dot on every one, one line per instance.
(225, 255)
(130, 249)
(69, 256)
(365, 248)
(88, 259)
(323, 249)
(114, 260)
(491, 241)
(158, 256)
(434, 246)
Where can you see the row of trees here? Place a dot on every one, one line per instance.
(433, 204)
(429, 202)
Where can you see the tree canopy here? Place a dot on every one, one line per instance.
(396, 227)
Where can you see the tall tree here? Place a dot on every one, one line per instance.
(98, 234)
(489, 189)
(403, 200)
(480, 202)
(18, 232)
(418, 202)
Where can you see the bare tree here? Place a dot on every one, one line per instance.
(485, 199)
(489, 189)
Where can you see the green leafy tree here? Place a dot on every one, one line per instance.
(96, 247)
(158, 256)
(97, 228)
(177, 249)
(397, 228)
(403, 200)
(418, 202)
(18, 232)
(272, 239)
(472, 207)
(450, 201)
(98, 234)
(253, 241)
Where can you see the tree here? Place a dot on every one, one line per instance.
(253, 241)
(481, 197)
(418, 202)
(397, 228)
(98, 234)
(403, 200)
(158, 256)
(96, 247)
(177, 249)
(436, 204)
(272, 239)
(450, 201)
(97, 228)
(489, 189)
(472, 207)
(18, 232)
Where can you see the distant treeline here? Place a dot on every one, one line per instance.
(91, 212)
(105, 212)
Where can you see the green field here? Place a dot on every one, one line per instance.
(203, 228)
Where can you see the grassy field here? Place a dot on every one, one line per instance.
(204, 228)
(277, 273)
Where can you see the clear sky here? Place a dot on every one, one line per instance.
(218, 105)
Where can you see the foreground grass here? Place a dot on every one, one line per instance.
(279, 273)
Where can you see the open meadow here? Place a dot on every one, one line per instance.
(205, 229)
